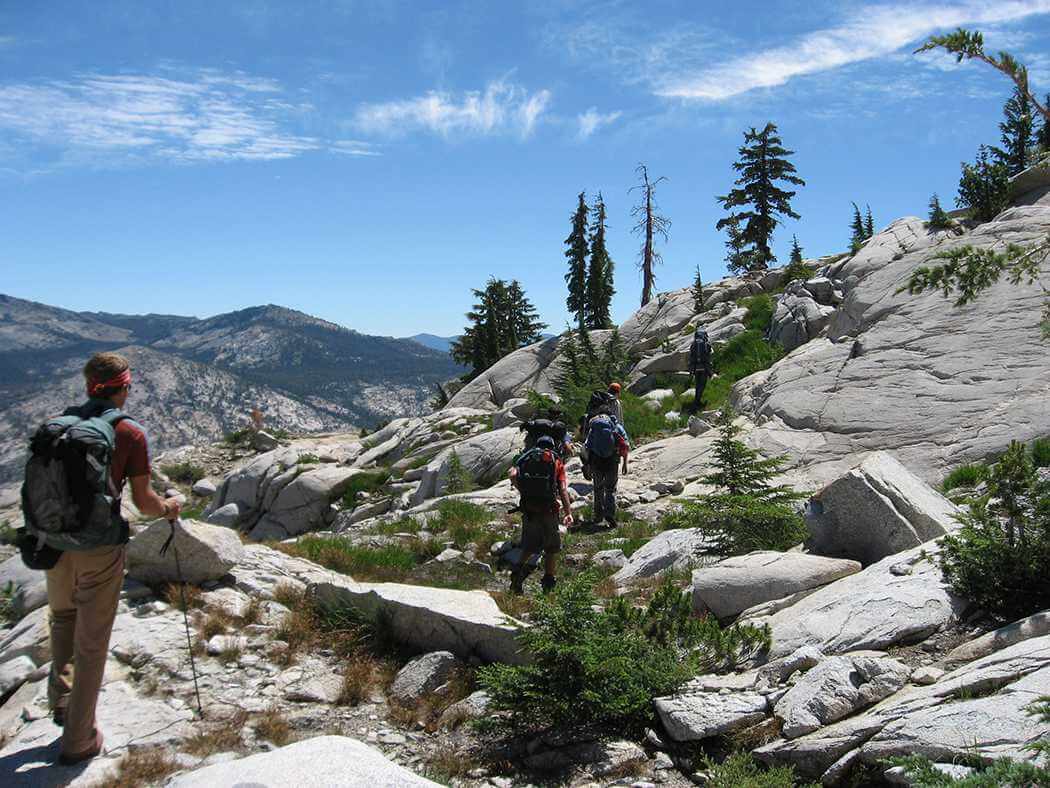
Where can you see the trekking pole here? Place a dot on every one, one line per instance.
(185, 613)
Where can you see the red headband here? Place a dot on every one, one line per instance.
(96, 387)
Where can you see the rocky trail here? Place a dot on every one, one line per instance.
(299, 549)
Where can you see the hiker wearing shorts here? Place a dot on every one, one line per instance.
(84, 585)
(539, 476)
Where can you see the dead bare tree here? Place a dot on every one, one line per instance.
(649, 225)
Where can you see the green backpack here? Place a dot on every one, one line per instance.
(68, 497)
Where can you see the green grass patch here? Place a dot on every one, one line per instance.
(965, 476)
(389, 563)
(406, 525)
(309, 459)
(740, 770)
(760, 309)
(369, 482)
(184, 472)
(743, 355)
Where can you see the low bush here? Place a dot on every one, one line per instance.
(760, 309)
(7, 610)
(309, 459)
(272, 726)
(1000, 558)
(601, 669)
(965, 476)
(740, 770)
(457, 514)
(739, 524)
(369, 482)
(184, 472)
(1041, 452)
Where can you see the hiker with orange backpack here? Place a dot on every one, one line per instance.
(539, 476)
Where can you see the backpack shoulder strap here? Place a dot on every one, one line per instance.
(113, 416)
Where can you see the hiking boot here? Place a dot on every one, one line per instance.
(547, 583)
(517, 581)
(58, 714)
(69, 759)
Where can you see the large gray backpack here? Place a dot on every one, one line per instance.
(68, 497)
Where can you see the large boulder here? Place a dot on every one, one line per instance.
(510, 377)
(877, 509)
(205, 552)
(836, 688)
(467, 623)
(901, 599)
(321, 761)
(798, 319)
(693, 716)
(303, 502)
(422, 676)
(911, 374)
(28, 586)
(1033, 626)
(670, 550)
(736, 584)
(484, 457)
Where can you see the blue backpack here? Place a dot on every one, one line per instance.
(601, 436)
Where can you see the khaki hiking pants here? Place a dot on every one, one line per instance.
(82, 592)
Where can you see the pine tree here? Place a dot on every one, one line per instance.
(698, 292)
(857, 233)
(796, 268)
(740, 470)
(615, 362)
(649, 225)
(869, 223)
(457, 479)
(796, 252)
(502, 320)
(763, 162)
(1018, 132)
(1043, 137)
(576, 253)
(600, 272)
(984, 186)
(938, 218)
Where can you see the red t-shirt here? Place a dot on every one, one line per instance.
(131, 455)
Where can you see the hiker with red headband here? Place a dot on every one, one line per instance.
(75, 474)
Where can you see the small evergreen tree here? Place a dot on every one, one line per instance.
(1042, 138)
(938, 217)
(984, 187)
(763, 162)
(857, 232)
(869, 223)
(457, 480)
(796, 252)
(576, 253)
(698, 292)
(600, 272)
(739, 469)
(502, 320)
(524, 326)
(1018, 132)
(796, 268)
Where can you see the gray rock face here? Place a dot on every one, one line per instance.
(226, 516)
(668, 550)
(14, 672)
(700, 715)
(836, 688)
(264, 441)
(484, 457)
(472, 707)
(901, 599)
(467, 623)
(510, 377)
(206, 552)
(910, 374)
(1034, 626)
(204, 488)
(422, 676)
(798, 319)
(29, 586)
(736, 584)
(320, 762)
(877, 509)
(303, 502)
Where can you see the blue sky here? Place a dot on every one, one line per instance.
(370, 161)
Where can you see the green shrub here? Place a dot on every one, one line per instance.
(760, 309)
(743, 355)
(1041, 452)
(1000, 558)
(748, 513)
(739, 770)
(406, 525)
(984, 187)
(7, 610)
(639, 419)
(369, 482)
(184, 472)
(965, 476)
(458, 479)
(309, 459)
(238, 437)
(603, 668)
(798, 270)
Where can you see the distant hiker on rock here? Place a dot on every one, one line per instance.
(77, 467)
(607, 444)
(553, 427)
(539, 477)
(700, 366)
(257, 419)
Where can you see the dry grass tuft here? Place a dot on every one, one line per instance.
(514, 605)
(272, 726)
(447, 763)
(193, 596)
(288, 595)
(364, 675)
(141, 767)
(222, 735)
(229, 655)
(252, 613)
(216, 622)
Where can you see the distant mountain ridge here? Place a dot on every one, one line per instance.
(434, 342)
(200, 377)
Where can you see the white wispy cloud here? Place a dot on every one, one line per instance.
(590, 121)
(354, 148)
(208, 116)
(500, 108)
(873, 32)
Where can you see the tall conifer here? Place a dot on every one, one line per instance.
(698, 292)
(1017, 132)
(599, 272)
(869, 223)
(1043, 136)
(763, 162)
(857, 232)
(576, 253)
(796, 252)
